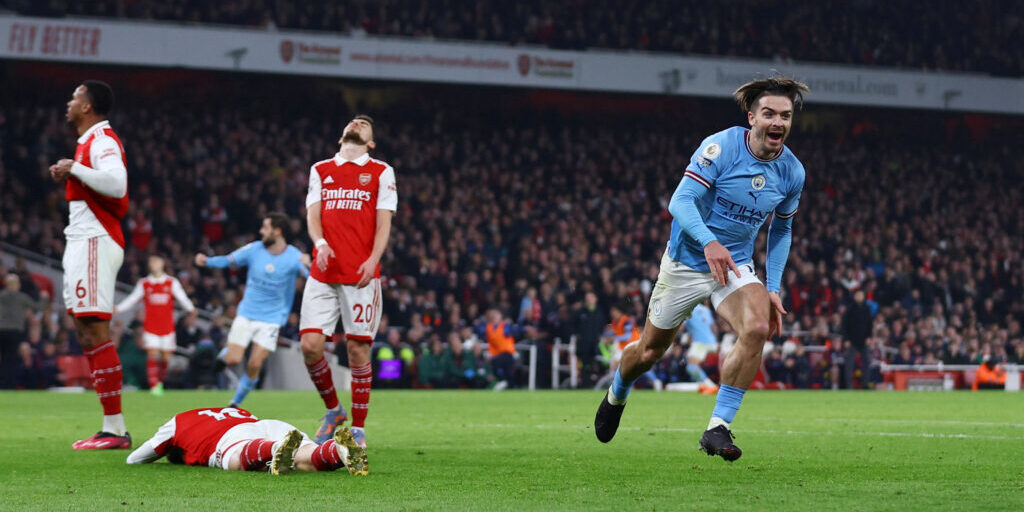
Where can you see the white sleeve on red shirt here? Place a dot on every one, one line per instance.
(108, 175)
(313, 195)
(179, 293)
(387, 192)
(155, 447)
(133, 298)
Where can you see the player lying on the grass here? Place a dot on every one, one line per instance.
(234, 439)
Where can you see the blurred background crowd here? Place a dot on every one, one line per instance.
(547, 208)
(938, 35)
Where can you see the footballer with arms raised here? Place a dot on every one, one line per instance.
(234, 439)
(273, 265)
(349, 206)
(734, 182)
(96, 189)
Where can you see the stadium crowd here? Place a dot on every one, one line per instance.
(976, 36)
(549, 221)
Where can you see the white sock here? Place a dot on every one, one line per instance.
(709, 382)
(611, 397)
(343, 452)
(114, 423)
(715, 421)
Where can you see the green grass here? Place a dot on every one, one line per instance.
(434, 450)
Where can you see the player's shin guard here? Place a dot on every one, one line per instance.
(106, 376)
(362, 381)
(326, 457)
(152, 371)
(245, 385)
(727, 403)
(320, 373)
(256, 454)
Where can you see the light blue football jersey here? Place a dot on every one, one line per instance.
(743, 191)
(270, 282)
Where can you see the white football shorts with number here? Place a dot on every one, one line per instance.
(90, 272)
(359, 309)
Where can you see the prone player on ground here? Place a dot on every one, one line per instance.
(350, 203)
(734, 182)
(234, 439)
(158, 291)
(96, 189)
(269, 291)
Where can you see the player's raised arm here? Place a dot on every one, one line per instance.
(239, 258)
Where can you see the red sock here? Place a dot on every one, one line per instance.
(326, 458)
(163, 370)
(106, 376)
(256, 454)
(362, 380)
(152, 372)
(320, 372)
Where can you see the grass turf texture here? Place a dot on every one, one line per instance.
(537, 451)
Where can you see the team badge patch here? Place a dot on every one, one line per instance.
(758, 182)
(656, 307)
(364, 178)
(711, 151)
(269, 268)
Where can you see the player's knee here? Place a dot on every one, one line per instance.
(651, 355)
(311, 346)
(756, 330)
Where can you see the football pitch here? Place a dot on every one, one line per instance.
(517, 450)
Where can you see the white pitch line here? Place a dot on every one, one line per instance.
(900, 422)
(925, 435)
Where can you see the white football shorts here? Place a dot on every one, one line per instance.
(359, 309)
(245, 330)
(680, 288)
(90, 272)
(166, 342)
(234, 439)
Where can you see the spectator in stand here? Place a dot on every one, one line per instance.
(990, 375)
(500, 334)
(14, 310)
(436, 366)
(857, 327)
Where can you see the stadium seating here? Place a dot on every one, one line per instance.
(534, 199)
(916, 35)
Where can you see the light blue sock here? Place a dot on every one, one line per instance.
(245, 385)
(620, 388)
(696, 372)
(728, 402)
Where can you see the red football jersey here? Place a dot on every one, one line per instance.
(158, 294)
(350, 192)
(108, 210)
(197, 432)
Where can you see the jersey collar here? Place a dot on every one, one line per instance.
(88, 133)
(361, 161)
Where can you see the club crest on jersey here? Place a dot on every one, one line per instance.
(269, 268)
(758, 182)
(711, 151)
(656, 307)
(364, 178)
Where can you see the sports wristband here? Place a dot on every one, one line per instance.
(321, 242)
